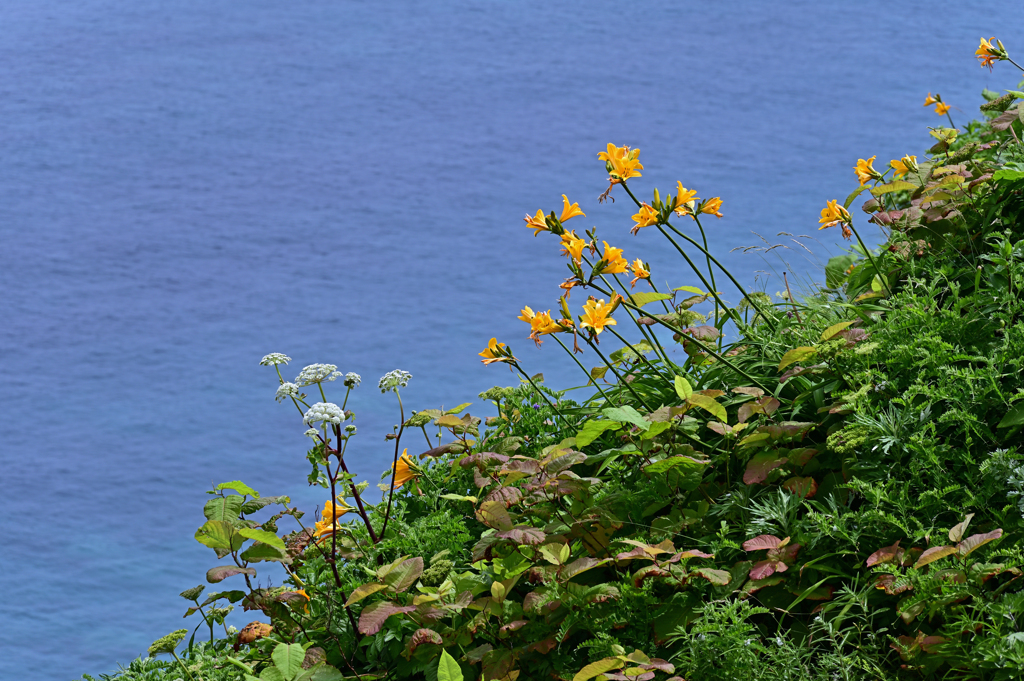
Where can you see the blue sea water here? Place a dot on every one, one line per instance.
(186, 186)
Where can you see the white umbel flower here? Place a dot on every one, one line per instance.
(352, 380)
(313, 433)
(274, 358)
(317, 373)
(286, 390)
(325, 413)
(393, 380)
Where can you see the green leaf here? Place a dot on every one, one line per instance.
(593, 429)
(223, 508)
(459, 497)
(262, 536)
(796, 355)
(218, 534)
(708, 404)
(405, 574)
(833, 330)
(552, 553)
(288, 659)
(253, 505)
(856, 192)
(260, 552)
(896, 186)
(679, 471)
(835, 270)
(683, 387)
(493, 514)
(239, 487)
(447, 668)
(597, 668)
(598, 372)
(222, 572)
(1006, 175)
(691, 289)
(656, 429)
(458, 409)
(363, 591)
(1014, 417)
(641, 299)
(626, 414)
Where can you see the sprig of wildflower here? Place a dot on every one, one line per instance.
(317, 373)
(865, 171)
(613, 261)
(645, 217)
(404, 470)
(352, 380)
(683, 200)
(641, 271)
(393, 380)
(274, 358)
(313, 433)
(325, 413)
(988, 54)
(832, 214)
(940, 107)
(622, 163)
(287, 390)
(540, 323)
(496, 352)
(569, 211)
(907, 164)
(572, 246)
(596, 313)
(712, 206)
(549, 223)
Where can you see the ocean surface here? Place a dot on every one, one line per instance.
(188, 185)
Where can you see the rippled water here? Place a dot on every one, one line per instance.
(186, 186)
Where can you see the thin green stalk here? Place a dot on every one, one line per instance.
(582, 368)
(183, 667)
(638, 354)
(711, 271)
(622, 380)
(882, 277)
(538, 390)
(394, 465)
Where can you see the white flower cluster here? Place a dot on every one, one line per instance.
(317, 373)
(273, 359)
(352, 380)
(393, 380)
(286, 390)
(312, 432)
(324, 412)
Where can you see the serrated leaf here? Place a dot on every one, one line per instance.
(683, 387)
(641, 299)
(709, 405)
(448, 669)
(253, 505)
(595, 669)
(223, 508)
(833, 330)
(361, 592)
(796, 355)
(593, 429)
(288, 659)
(493, 514)
(262, 536)
(239, 487)
(222, 572)
(933, 554)
(626, 414)
(974, 542)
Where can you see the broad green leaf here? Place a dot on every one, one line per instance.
(853, 195)
(626, 414)
(239, 487)
(361, 592)
(448, 669)
(288, 659)
(641, 299)
(1014, 417)
(458, 409)
(405, 574)
(595, 669)
(262, 536)
(260, 552)
(944, 134)
(796, 355)
(552, 553)
(683, 472)
(896, 186)
(493, 514)
(933, 554)
(656, 429)
(593, 429)
(716, 577)
(709, 405)
(253, 505)
(683, 387)
(833, 330)
(218, 534)
(598, 372)
(1006, 175)
(222, 572)
(223, 508)
(691, 289)
(321, 673)
(459, 497)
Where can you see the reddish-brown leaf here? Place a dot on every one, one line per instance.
(967, 546)
(886, 554)
(802, 487)
(373, 616)
(761, 465)
(933, 554)
(764, 541)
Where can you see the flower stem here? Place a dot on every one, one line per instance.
(394, 465)
(867, 252)
(183, 667)
(582, 368)
(538, 391)
(619, 376)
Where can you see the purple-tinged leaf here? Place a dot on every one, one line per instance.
(222, 572)
(767, 568)
(523, 535)
(716, 577)
(969, 545)
(373, 616)
(761, 465)
(887, 554)
(493, 514)
(764, 541)
(933, 554)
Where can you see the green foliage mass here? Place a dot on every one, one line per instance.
(836, 495)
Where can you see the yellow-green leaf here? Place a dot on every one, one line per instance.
(933, 554)
(597, 668)
(459, 408)
(833, 330)
(683, 388)
(363, 591)
(896, 186)
(598, 372)
(709, 405)
(691, 289)
(854, 194)
(641, 299)
(796, 355)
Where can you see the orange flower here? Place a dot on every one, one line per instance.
(572, 246)
(495, 353)
(864, 170)
(941, 108)
(641, 272)
(596, 314)
(537, 223)
(646, 217)
(614, 262)
(833, 213)
(404, 470)
(988, 54)
(540, 323)
(622, 162)
(684, 199)
(712, 207)
(929, 100)
(570, 211)
(905, 165)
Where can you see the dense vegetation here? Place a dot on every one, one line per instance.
(836, 495)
